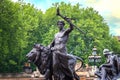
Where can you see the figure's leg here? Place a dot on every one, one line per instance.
(104, 73)
(55, 67)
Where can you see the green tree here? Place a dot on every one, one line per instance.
(22, 25)
(17, 21)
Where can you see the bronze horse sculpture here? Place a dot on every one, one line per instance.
(41, 56)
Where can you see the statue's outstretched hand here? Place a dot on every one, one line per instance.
(64, 17)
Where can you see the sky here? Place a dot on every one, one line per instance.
(109, 9)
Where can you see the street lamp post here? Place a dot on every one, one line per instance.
(94, 53)
(94, 57)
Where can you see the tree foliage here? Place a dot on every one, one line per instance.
(22, 25)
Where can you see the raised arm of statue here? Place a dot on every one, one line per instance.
(69, 29)
(67, 19)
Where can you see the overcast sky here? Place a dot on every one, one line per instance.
(109, 9)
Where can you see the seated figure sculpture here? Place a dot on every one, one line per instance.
(111, 69)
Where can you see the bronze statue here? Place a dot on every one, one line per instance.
(111, 69)
(42, 57)
(58, 46)
(63, 65)
(54, 61)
